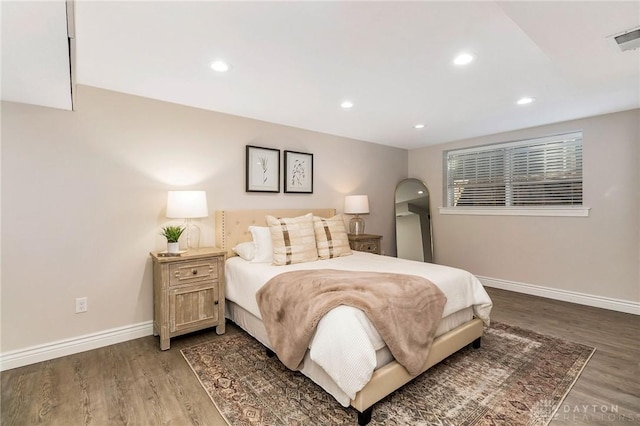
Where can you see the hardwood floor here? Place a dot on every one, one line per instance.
(135, 383)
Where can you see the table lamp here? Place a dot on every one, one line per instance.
(356, 204)
(188, 205)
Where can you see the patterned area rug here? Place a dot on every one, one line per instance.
(517, 377)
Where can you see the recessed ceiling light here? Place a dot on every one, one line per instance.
(419, 126)
(525, 100)
(219, 66)
(463, 59)
(346, 104)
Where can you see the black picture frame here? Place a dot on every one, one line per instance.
(298, 175)
(262, 169)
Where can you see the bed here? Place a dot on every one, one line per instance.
(465, 314)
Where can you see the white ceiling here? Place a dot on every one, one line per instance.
(294, 62)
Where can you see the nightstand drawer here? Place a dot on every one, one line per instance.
(192, 272)
(371, 246)
(369, 243)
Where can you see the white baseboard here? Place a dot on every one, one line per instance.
(47, 351)
(564, 295)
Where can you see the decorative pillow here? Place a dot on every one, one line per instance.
(331, 237)
(262, 241)
(294, 240)
(247, 250)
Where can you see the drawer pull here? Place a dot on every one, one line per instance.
(194, 271)
(215, 303)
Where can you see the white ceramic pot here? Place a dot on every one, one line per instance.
(173, 248)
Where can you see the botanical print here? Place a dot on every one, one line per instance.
(261, 175)
(264, 163)
(298, 173)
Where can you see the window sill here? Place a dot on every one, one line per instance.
(518, 211)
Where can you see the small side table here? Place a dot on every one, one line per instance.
(188, 293)
(369, 243)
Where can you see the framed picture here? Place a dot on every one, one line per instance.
(263, 169)
(298, 172)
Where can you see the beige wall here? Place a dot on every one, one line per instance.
(598, 255)
(84, 192)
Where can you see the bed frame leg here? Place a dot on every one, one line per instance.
(476, 343)
(270, 353)
(365, 417)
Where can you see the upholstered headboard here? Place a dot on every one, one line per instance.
(232, 226)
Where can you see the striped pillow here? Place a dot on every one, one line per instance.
(331, 237)
(294, 240)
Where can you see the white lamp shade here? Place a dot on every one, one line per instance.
(356, 204)
(187, 204)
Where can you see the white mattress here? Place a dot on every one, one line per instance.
(346, 348)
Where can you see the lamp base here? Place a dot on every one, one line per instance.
(356, 225)
(193, 235)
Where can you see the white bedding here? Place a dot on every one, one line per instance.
(346, 346)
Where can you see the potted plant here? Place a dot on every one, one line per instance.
(172, 234)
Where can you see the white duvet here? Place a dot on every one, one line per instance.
(345, 342)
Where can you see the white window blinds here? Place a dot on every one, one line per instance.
(534, 172)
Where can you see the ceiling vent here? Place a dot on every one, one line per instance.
(628, 40)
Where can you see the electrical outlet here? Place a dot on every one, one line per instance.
(81, 305)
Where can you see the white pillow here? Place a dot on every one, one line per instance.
(262, 241)
(247, 250)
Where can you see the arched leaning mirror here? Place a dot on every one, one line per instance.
(413, 221)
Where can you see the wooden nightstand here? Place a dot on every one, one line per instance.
(188, 293)
(365, 242)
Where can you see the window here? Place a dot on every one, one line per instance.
(534, 174)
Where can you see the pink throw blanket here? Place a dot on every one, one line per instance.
(405, 309)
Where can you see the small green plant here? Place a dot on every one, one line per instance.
(172, 233)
